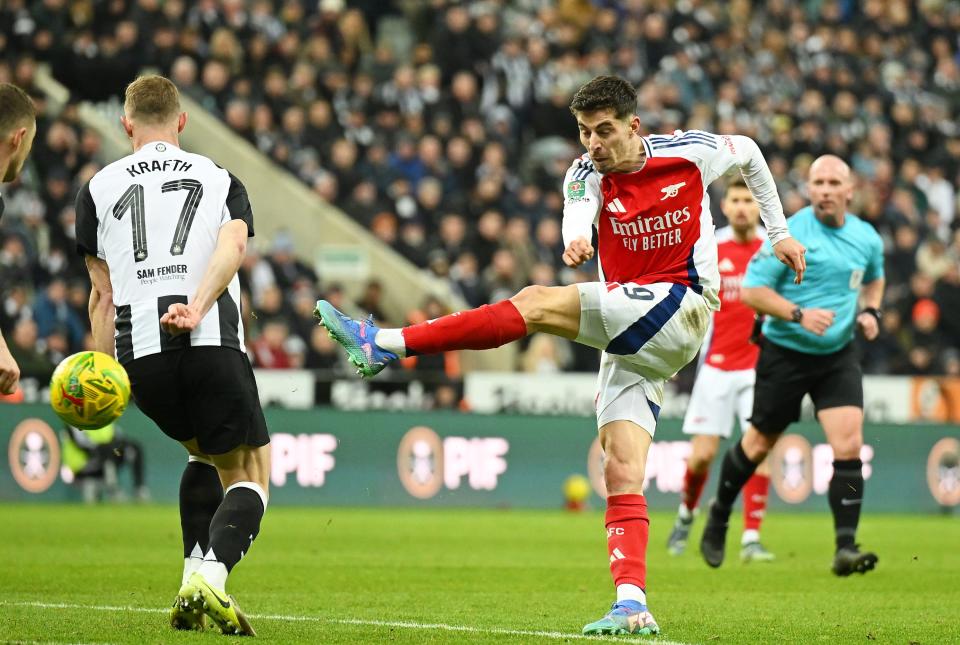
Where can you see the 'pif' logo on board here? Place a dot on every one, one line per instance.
(420, 462)
(943, 472)
(34, 455)
(791, 468)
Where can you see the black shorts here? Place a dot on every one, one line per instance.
(784, 376)
(203, 393)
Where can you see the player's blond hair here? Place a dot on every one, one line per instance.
(16, 108)
(152, 100)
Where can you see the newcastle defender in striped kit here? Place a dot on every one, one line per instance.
(164, 232)
(647, 197)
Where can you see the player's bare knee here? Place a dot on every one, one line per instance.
(623, 476)
(531, 303)
(700, 459)
(703, 451)
(847, 446)
(757, 445)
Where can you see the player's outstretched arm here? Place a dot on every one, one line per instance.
(743, 152)
(224, 264)
(9, 370)
(793, 254)
(101, 305)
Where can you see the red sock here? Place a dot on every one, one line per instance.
(628, 528)
(693, 487)
(755, 501)
(481, 328)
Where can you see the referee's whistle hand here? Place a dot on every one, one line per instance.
(817, 321)
(792, 253)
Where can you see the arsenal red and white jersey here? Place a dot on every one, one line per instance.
(654, 224)
(728, 345)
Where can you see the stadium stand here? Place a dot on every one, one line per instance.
(443, 129)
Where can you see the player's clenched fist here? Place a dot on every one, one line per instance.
(579, 251)
(816, 320)
(792, 253)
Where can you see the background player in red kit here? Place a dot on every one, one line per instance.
(658, 260)
(723, 390)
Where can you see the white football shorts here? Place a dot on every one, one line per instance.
(647, 333)
(719, 397)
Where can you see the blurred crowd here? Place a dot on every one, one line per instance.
(443, 128)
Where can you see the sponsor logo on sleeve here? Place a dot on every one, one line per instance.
(576, 189)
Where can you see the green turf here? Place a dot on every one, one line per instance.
(486, 570)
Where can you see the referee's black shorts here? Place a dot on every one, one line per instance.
(203, 393)
(784, 376)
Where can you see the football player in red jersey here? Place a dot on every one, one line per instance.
(723, 390)
(647, 198)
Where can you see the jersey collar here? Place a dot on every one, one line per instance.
(152, 146)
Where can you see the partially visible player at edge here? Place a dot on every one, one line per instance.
(647, 197)
(723, 391)
(163, 232)
(808, 347)
(18, 127)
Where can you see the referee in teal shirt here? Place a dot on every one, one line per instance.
(808, 349)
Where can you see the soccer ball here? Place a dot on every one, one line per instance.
(89, 390)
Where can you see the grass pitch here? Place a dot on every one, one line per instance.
(71, 574)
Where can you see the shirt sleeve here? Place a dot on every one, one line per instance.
(721, 153)
(764, 269)
(237, 205)
(87, 223)
(581, 201)
(875, 262)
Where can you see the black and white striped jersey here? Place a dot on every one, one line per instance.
(154, 217)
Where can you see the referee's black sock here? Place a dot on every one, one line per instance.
(233, 529)
(846, 499)
(734, 473)
(200, 495)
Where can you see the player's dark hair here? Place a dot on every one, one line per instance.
(16, 108)
(606, 92)
(735, 182)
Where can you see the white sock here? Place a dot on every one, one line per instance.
(391, 340)
(192, 563)
(631, 592)
(750, 535)
(684, 512)
(214, 572)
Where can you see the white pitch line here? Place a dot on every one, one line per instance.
(354, 621)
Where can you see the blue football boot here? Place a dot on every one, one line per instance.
(357, 337)
(625, 617)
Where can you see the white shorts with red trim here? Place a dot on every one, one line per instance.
(719, 397)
